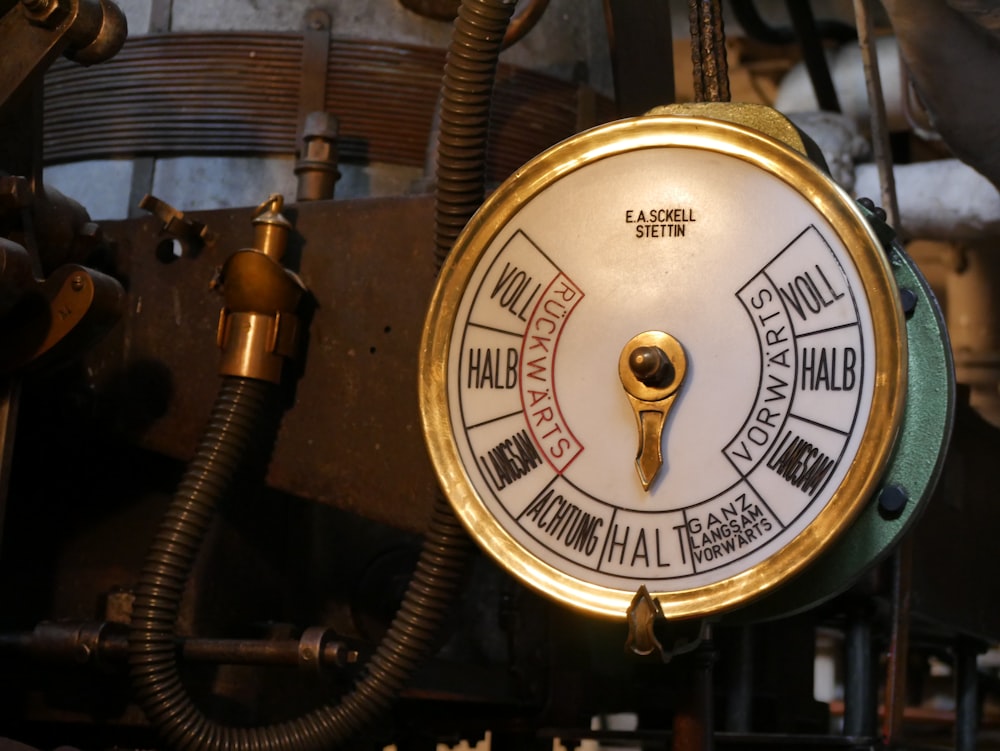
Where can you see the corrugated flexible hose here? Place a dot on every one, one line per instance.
(244, 415)
(469, 72)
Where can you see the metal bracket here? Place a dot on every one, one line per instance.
(191, 231)
(59, 318)
(315, 62)
(645, 614)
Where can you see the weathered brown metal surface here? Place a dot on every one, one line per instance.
(352, 438)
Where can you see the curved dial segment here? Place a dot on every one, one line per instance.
(689, 287)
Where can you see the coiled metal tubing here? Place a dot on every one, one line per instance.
(236, 93)
(242, 421)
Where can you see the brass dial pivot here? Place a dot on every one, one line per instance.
(652, 366)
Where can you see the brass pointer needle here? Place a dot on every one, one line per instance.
(652, 366)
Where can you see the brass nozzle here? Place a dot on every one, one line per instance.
(271, 228)
(258, 324)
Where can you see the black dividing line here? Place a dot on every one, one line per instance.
(494, 419)
(604, 545)
(819, 424)
(823, 331)
(496, 330)
(537, 248)
(538, 495)
(760, 499)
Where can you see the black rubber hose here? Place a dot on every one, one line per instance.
(243, 417)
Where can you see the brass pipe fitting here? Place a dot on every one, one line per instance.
(259, 326)
(316, 167)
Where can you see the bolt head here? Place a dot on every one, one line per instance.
(320, 124)
(318, 150)
(15, 192)
(43, 12)
(869, 204)
(892, 500)
(317, 19)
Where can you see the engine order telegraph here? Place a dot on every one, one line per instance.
(667, 353)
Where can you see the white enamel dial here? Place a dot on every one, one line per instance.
(725, 269)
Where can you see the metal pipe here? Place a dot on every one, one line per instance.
(739, 694)
(859, 684)
(879, 118)
(966, 694)
(694, 722)
(939, 200)
(316, 167)
(104, 642)
(899, 648)
(795, 93)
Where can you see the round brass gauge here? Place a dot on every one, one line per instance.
(668, 352)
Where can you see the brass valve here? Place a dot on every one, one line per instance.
(259, 327)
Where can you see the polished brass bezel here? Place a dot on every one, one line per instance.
(881, 427)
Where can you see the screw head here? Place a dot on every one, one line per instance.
(892, 500)
(77, 282)
(869, 204)
(651, 366)
(43, 12)
(321, 124)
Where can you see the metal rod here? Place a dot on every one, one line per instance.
(10, 394)
(967, 694)
(739, 696)
(879, 120)
(94, 642)
(144, 167)
(895, 682)
(859, 693)
(694, 724)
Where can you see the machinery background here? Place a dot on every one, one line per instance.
(110, 366)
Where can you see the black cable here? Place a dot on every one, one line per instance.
(746, 14)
